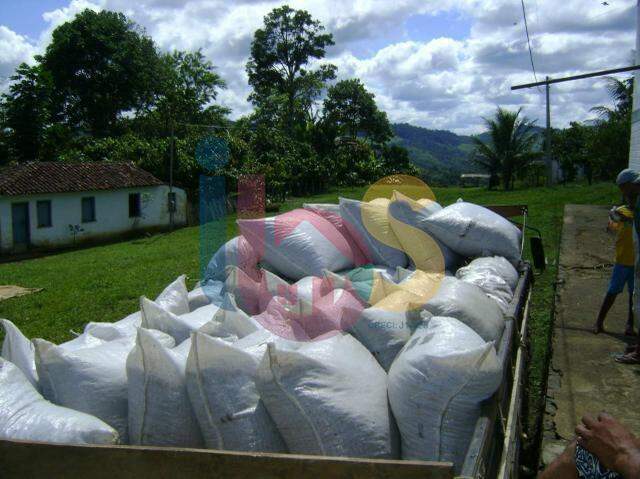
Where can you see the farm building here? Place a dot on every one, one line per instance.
(53, 204)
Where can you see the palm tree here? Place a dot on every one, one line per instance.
(510, 149)
(621, 92)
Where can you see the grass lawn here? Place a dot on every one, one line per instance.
(104, 283)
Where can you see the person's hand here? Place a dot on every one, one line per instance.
(615, 447)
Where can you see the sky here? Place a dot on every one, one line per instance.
(441, 64)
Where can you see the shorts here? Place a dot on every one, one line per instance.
(589, 466)
(620, 276)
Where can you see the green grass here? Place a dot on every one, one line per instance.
(104, 283)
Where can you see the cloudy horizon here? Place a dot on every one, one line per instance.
(442, 64)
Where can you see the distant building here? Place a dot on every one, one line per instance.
(52, 204)
(474, 179)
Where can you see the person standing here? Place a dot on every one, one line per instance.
(621, 222)
(628, 181)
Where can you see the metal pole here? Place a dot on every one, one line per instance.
(171, 202)
(547, 143)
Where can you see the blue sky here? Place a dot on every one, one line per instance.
(435, 63)
(25, 16)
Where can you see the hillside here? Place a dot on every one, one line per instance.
(441, 154)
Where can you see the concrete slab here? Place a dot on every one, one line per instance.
(583, 376)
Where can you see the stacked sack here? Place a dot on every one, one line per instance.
(311, 333)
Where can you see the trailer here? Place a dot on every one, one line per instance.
(493, 450)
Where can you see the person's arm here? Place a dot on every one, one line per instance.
(615, 447)
(563, 466)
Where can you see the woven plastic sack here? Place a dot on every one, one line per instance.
(468, 303)
(19, 350)
(207, 292)
(235, 252)
(328, 398)
(160, 412)
(298, 243)
(92, 380)
(369, 284)
(245, 289)
(26, 416)
(424, 250)
(369, 226)
(179, 327)
(489, 275)
(436, 386)
(230, 322)
(331, 212)
(385, 327)
(221, 384)
(473, 231)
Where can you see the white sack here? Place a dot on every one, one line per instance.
(26, 416)
(298, 243)
(496, 265)
(207, 292)
(385, 327)
(425, 250)
(160, 413)
(221, 384)
(235, 252)
(492, 275)
(19, 350)
(370, 229)
(230, 322)
(436, 386)
(179, 327)
(92, 380)
(471, 230)
(468, 303)
(328, 398)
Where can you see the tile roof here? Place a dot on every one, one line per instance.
(61, 177)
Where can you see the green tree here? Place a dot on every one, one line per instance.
(510, 149)
(352, 110)
(26, 112)
(188, 87)
(283, 84)
(101, 65)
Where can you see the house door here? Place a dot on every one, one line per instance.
(20, 222)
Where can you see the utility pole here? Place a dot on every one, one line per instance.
(547, 143)
(635, 140)
(171, 197)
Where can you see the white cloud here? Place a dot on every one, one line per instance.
(14, 49)
(440, 82)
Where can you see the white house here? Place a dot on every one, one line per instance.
(52, 204)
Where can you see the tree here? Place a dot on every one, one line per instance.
(188, 86)
(277, 70)
(26, 112)
(621, 92)
(101, 65)
(353, 111)
(511, 146)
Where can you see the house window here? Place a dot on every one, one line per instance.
(88, 209)
(44, 213)
(134, 205)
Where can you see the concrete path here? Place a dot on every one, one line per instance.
(583, 376)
